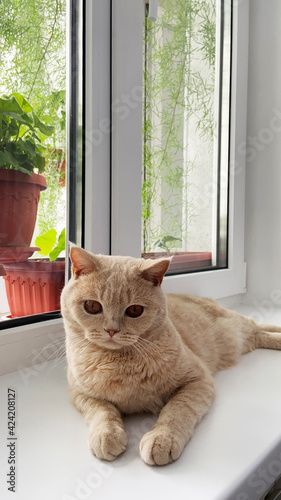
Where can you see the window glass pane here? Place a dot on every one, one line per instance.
(33, 157)
(75, 132)
(187, 55)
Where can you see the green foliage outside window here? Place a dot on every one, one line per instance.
(33, 63)
(177, 48)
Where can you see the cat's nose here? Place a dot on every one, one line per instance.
(111, 332)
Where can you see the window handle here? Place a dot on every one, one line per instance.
(152, 10)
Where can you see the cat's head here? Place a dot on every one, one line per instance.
(114, 300)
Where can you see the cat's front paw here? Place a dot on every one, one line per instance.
(108, 441)
(160, 447)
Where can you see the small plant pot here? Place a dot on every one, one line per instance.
(34, 286)
(19, 198)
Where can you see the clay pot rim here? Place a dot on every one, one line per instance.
(10, 175)
(37, 264)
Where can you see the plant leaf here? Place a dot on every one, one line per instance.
(40, 162)
(46, 241)
(26, 168)
(166, 239)
(10, 105)
(59, 248)
(45, 129)
(7, 158)
(24, 119)
(22, 102)
(29, 147)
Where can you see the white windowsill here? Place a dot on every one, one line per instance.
(240, 438)
(28, 345)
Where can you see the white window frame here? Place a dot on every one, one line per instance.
(97, 126)
(18, 345)
(127, 155)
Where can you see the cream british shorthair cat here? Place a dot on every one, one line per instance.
(132, 349)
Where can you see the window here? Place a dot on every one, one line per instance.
(35, 118)
(187, 54)
(106, 163)
(193, 120)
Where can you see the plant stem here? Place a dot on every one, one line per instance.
(45, 50)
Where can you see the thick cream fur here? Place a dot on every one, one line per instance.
(160, 362)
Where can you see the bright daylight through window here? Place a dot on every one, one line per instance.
(32, 156)
(185, 141)
(187, 56)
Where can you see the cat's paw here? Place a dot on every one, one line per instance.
(107, 442)
(160, 447)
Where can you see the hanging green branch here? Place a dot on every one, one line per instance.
(175, 91)
(45, 50)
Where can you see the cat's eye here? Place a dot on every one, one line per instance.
(134, 311)
(92, 306)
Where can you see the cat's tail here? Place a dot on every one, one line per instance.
(268, 337)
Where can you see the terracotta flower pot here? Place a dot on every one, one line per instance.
(34, 286)
(19, 198)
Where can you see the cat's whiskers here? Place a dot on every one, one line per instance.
(128, 339)
(60, 352)
(84, 349)
(81, 344)
(51, 344)
(146, 353)
(59, 359)
(142, 346)
(138, 349)
(79, 341)
(146, 350)
(60, 355)
(151, 349)
(149, 342)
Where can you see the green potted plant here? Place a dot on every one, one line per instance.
(21, 165)
(34, 286)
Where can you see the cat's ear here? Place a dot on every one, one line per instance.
(155, 270)
(83, 262)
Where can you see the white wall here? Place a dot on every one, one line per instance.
(263, 169)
